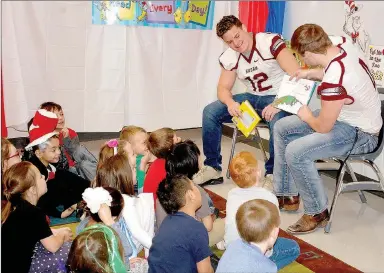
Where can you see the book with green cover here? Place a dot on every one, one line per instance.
(294, 94)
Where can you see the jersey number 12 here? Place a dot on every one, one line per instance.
(259, 78)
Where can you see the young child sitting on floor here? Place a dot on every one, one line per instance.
(113, 147)
(105, 205)
(138, 210)
(159, 143)
(9, 157)
(138, 138)
(26, 235)
(181, 242)
(245, 173)
(258, 223)
(75, 156)
(184, 159)
(64, 187)
(97, 249)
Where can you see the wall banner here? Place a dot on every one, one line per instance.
(167, 14)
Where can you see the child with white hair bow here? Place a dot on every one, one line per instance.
(104, 205)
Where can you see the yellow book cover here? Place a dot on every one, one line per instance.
(248, 120)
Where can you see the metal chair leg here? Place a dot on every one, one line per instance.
(352, 173)
(338, 190)
(234, 138)
(260, 142)
(378, 173)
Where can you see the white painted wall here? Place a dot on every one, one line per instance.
(330, 15)
(105, 76)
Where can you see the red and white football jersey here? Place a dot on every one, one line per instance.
(259, 71)
(347, 76)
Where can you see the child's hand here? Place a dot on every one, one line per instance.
(68, 235)
(68, 211)
(66, 232)
(65, 132)
(105, 215)
(137, 263)
(145, 160)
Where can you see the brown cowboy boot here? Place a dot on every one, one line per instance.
(308, 223)
(289, 203)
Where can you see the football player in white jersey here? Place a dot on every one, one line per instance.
(260, 61)
(349, 121)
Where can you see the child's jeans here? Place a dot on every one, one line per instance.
(285, 251)
(210, 204)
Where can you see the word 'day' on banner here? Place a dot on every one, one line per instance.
(168, 14)
(199, 12)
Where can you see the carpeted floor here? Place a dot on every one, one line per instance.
(311, 258)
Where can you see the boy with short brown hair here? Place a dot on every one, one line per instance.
(258, 224)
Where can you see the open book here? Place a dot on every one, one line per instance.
(294, 94)
(248, 120)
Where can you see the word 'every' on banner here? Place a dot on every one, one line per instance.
(168, 14)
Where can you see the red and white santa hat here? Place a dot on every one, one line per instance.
(351, 4)
(42, 128)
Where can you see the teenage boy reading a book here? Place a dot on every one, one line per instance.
(258, 224)
(349, 120)
(259, 60)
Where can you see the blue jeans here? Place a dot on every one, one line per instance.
(216, 113)
(285, 251)
(298, 146)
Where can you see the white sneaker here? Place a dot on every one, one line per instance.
(268, 182)
(208, 176)
(221, 245)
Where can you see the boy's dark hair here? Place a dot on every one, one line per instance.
(183, 159)
(116, 207)
(50, 106)
(171, 192)
(226, 23)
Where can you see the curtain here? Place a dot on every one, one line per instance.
(254, 14)
(275, 17)
(262, 16)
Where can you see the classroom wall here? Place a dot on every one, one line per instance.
(105, 76)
